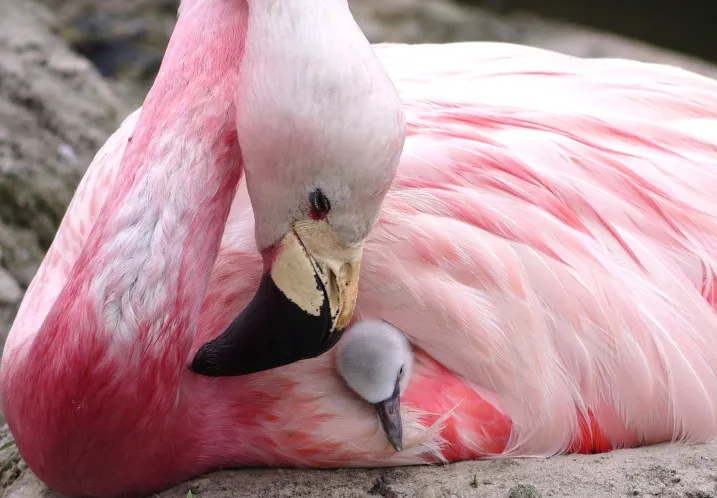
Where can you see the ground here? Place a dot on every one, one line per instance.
(658, 471)
(57, 108)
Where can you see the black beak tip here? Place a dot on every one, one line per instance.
(205, 362)
(271, 332)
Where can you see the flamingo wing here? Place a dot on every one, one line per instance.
(551, 237)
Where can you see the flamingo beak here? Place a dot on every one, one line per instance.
(305, 300)
(389, 412)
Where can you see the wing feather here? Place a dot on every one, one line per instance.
(551, 236)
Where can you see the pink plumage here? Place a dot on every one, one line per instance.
(549, 246)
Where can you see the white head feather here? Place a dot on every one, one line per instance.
(315, 109)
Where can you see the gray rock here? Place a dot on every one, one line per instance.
(524, 491)
(125, 38)
(10, 296)
(10, 291)
(55, 112)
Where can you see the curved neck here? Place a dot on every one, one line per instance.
(119, 333)
(147, 260)
(131, 302)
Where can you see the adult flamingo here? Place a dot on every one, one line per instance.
(548, 246)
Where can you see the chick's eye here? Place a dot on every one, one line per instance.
(320, 205)
(400, 373)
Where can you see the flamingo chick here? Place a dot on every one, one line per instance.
(375, 360)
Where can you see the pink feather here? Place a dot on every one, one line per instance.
(549, 246)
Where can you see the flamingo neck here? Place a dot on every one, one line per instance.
(112, 351)
(136, 289)
(147, 261)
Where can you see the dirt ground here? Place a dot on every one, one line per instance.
(658, 471)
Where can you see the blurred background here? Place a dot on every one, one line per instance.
(125, 39)
(71, 70)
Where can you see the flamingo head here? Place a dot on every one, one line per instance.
(375, 360)
(321, 130)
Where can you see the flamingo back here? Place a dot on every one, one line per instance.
(551, 236)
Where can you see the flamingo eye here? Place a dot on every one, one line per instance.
(400, 373)
(320, 205)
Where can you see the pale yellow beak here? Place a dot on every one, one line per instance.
(306, 298)
(337, 265)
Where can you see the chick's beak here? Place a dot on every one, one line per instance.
(305, 299)
(389, 412)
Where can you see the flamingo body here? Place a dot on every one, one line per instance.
(548, 245)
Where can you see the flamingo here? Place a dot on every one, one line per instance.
(376, 361)
(540, 227)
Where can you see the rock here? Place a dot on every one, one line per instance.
(55, 112)
(11, 466)
(10, 291)
(126, 38)
(10, 296)
(524, 491)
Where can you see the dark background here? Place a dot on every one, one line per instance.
(688, 26)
